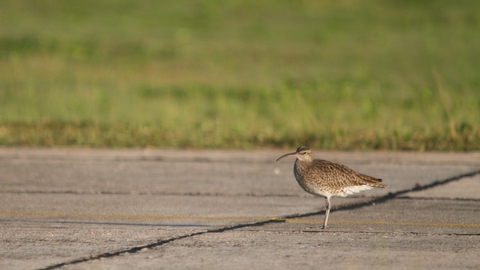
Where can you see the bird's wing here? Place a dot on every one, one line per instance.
(340, 176)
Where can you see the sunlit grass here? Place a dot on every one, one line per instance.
(241, 74)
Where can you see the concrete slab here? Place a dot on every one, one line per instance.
(293, 250)
(114, 209)
(416, 216)
(364, 238)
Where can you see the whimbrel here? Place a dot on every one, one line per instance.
(325, 178)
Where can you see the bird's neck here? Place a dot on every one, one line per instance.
(302, 164)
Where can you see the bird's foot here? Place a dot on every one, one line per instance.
(324, 227)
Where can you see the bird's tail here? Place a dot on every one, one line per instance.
(372, 181)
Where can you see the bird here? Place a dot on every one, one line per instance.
(326, 178)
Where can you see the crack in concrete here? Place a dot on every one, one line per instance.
(167, 193)
(160, 243)
(386, 233)
(159, 193)
(439, 199)
(283, 219)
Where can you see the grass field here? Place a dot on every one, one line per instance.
(345, 74)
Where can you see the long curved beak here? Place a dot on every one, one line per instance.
(286, 155)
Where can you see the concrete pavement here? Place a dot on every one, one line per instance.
(197, 209)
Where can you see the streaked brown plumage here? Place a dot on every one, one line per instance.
(325, 178)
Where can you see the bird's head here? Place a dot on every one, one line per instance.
(302, 153)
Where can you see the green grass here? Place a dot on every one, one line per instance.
(241, 74)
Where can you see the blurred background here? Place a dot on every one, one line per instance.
(333, 74)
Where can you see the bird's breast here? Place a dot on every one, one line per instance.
(308, 182)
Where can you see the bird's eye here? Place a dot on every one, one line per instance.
(304, 153)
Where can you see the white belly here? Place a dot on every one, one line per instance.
(325, 191)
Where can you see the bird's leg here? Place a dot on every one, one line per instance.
(327, 212)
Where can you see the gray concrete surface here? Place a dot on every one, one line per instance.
(167, 209)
